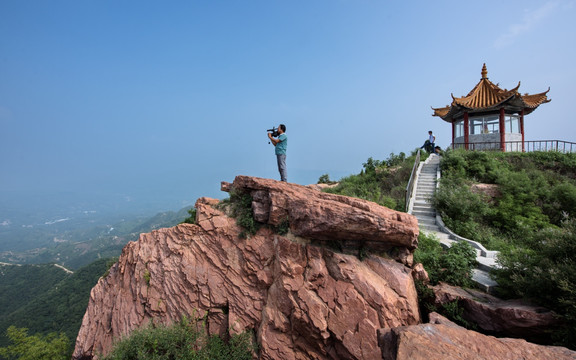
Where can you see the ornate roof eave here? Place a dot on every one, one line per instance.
(535, 100)
(441, 112)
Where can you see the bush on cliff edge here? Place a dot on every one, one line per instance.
(453, 265)
(185, 340)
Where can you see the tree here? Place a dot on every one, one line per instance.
(35, 347)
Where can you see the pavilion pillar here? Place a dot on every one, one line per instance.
(453, 132)
(466, 130)
(502, 131)
(522, 128)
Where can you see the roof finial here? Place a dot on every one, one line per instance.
(484, 72)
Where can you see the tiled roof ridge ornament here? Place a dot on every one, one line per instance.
(484, 72)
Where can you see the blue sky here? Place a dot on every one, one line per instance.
(165, 99)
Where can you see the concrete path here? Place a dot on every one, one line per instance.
(425, 185)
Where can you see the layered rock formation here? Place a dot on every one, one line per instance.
(446, 340)
(510, 318)
(334, 220)
(300, 300)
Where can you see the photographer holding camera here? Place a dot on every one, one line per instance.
(280, 145)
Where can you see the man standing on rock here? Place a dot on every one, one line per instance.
(280, 145)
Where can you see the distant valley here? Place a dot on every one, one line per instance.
(74, 237)
(49, 263)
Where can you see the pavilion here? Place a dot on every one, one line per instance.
(490, 117)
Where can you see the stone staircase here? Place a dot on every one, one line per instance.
(420, 206)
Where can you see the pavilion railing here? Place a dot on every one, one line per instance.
(410, 187)
(522, 146)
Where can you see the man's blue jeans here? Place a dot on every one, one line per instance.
(282, 167)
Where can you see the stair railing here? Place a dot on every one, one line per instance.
(410, 187)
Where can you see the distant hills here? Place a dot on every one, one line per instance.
(77, 242)
(43, 297)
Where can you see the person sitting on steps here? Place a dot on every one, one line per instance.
(429, 144)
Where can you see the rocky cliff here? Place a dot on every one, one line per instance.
(299, 297)
(301, 300)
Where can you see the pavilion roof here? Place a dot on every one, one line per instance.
(487, 96)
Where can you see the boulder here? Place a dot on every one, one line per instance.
(339, 221)
(420, 274)
(447, 340)
(511, 318)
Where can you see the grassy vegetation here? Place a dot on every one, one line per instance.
(239, 206)
(383, 182)
(535, 191)
(453, 265)
(185, 340)
(192, 218)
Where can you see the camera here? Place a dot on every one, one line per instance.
(274, 131)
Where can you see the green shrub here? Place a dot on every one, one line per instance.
(518, 205)
(531, 223)
(536, 191)
(453, 164)
(192, 218)
(35, 347)
(452, 265)
(284, 227)
(240, 205)
(456, 201)
(147, 277)
(561, 201)
(454, 312)
(457, 263)
(428, 253)
(543, 271)
(185, 340)
(109, 263)
(382, 182)
(325, 179)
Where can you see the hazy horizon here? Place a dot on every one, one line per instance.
(148, 105)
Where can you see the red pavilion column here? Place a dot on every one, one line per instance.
(453, 132)
(522, 128)
(502, 131)
(466, 130)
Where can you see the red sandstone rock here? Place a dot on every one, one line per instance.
(301, 301)
(320, 187)
(491, 191)
(419, 273)
(513, 318)
(331, 219)
(435, 318)
(449, 341)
